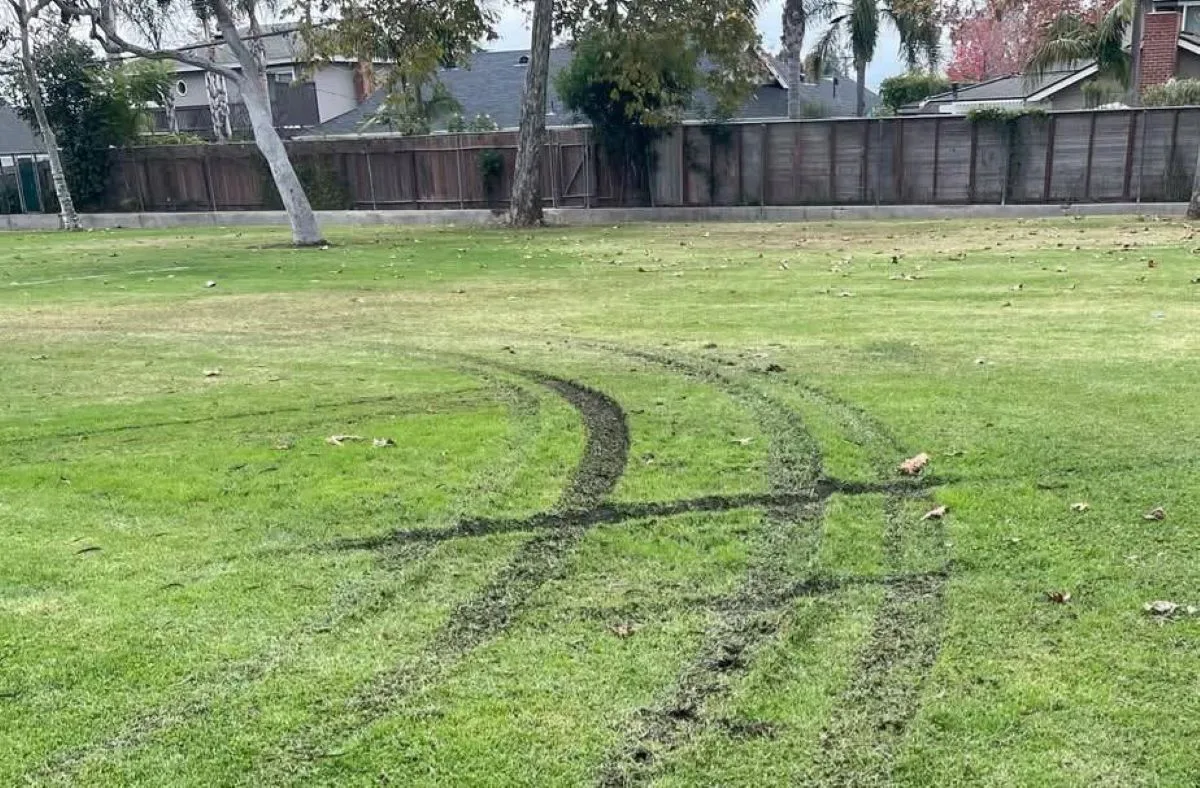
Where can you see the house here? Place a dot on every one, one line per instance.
(16, 136)
(495, 81)
(1170, 50)
(299, 99)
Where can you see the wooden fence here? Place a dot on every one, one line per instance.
(1144, 155)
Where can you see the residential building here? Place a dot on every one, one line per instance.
(494, 82)
(1170, 50)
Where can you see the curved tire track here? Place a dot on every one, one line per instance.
(494, 608)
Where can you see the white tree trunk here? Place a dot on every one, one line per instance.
(218, 105)
(860, 100)
(169, 109)
(66, 205)
(305, 230)
(1193, 211)
(526, 207)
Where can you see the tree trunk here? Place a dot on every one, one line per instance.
(794, 23)
(252, 83)
(860, 101)
(66, 205)
(172, 115)
(305, 231)
(218, 105)
(526, 208)
(1134, 93)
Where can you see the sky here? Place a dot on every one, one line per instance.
(514, 34)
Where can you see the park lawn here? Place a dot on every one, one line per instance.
(642, 521)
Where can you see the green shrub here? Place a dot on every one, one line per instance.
(1176, 93)
(909, 88)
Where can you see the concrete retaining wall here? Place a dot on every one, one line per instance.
(596, 216)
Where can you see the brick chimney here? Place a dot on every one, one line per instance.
(1160, 36)
(364, 81)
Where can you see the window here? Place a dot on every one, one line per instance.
(1191, 19)
(181, 88)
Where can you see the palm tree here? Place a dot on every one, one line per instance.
(796, 14)
(854, 26)
(1074, 38)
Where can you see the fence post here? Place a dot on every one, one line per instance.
(937, 153)
(416, 186)
(974, 146)
(832, 163)
(21, 201)
(683, 165)
(1087, 175)
(878, 150)
(209, 192)
(587, 168)
(1174, 148)
(1127, 185)
(740, 181)
(458, 169)
(1049, 171)
(898, 160)
(762, 161)
(864, 170)
(371, 179)
(1142, 157)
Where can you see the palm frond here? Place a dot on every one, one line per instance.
(863, 29)
(825, 50)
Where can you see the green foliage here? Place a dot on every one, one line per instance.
(1176, 93)
(179, 138)
(1102, 91)
(92, 109)
(325, 187)
(912, 87)
(1001, 116)
(491, 169)
(721, 34)
(407, 111)
(631, 88)
(483, 123)
(1073, 37)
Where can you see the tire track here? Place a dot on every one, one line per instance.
(496, 606)
(354, 604)
(754, 613)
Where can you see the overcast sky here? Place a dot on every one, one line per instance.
(514, 34)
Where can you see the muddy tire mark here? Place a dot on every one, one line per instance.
(495, 607)
(756, 611)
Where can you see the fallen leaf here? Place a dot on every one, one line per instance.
(1160, 607)
(623, 629)
(212, 373)
(914, 465)
(210, 283)
(1151, 264)
(1157, 513)
(1082, 506)
(936, 513)
(773, 368)
(40, 357)
(743, 441)
(338, 440)
(382, 443)
(283, 444)
(1058, 597)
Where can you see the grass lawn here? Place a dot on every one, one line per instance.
(642, 521)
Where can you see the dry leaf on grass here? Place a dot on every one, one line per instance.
(742, 441)
(382, 443)
(1157, 513)
(623, 629)
(1082, 506)
(1058, 597)
(212, 373)
(936, 513)
(210, 283)
(914, 465)
(1160, 607)
(283, 444)
(338, 440)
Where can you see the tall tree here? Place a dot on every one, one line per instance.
(723, 31)
(999, 38)
(26, 15)
(796, 14)
(249, 76)
(156, 22)
(855, 24)
(525, 209)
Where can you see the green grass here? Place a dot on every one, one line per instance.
(196, 588)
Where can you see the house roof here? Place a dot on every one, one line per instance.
(494, 83)
(1007, 88)
(16, 136)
